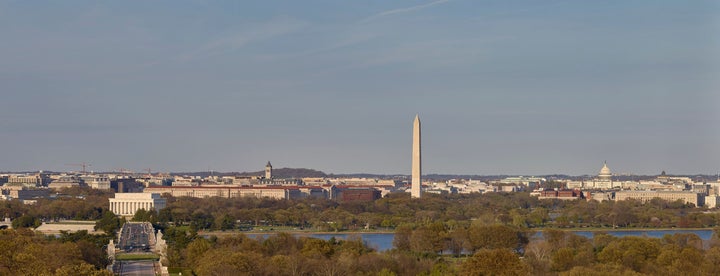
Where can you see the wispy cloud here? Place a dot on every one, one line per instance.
(230, 42)
(404, 10)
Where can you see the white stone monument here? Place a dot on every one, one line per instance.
(416, 188)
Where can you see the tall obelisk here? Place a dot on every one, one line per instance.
(415, 190)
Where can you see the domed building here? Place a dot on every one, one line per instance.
(603, 181)
(605, 173)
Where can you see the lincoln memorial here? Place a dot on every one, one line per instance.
(126, 204)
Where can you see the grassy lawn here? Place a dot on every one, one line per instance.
(183, 228)
(136, 257)
(175, 271)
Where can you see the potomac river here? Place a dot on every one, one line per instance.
(383, 241)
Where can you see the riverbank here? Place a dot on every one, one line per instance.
(385, 232)
(294, 232)
(595, 229)
(384, 241)
(391, 231)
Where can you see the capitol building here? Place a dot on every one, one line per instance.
(603, 181)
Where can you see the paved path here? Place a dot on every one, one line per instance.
(137, 268)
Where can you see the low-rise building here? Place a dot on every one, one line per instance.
(598, 196)
(686, 196)
(29, 180)
(347, 194)
(29, 194)
(561, 194)
(313, 191)
(277, 192)
(97, 181)
(711, 201)
(20, 192)
(531, 182)
(67, 181)
(126, 185)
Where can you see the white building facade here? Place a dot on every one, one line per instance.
(127, 204)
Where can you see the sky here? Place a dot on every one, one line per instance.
(501, 87)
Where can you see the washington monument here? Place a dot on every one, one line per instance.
(416, 190)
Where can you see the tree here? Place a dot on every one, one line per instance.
(224, 222)
(81, 269)
(538, 217)
(494, 237)
(142, 215)
(494, 262)
(196, 249)
(632, 252)
(26, 221)
(711, 263)
(223, 261)
(683, 240)
(317, 248)
(428, 238)
(93, 254)
(458, 239)
(286, 265)
(563, 259)
(401, 241)
(109, 223)
(601, 270)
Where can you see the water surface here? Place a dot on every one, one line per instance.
(383, 241)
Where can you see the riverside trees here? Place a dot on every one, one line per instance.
(498, 250)
(513, 209)
(285, 254)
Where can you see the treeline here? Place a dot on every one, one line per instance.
(569, 254)
(512, 209)
(285, 254)
(23, 252)
(72, 203)
(554, 251)
(504, 250)
(437, 249)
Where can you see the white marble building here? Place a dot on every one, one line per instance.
(127, 204)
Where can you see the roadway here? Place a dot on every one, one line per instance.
(136, 238)
(138, 268)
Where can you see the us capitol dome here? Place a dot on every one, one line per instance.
(605, 173)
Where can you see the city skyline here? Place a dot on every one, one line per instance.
(522, 88)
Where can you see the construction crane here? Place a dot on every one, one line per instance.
(149, 171)
(122, 170)
(83, 165)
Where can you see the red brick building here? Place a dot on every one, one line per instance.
(357, 194)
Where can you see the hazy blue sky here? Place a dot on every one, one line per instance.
(511, 87)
